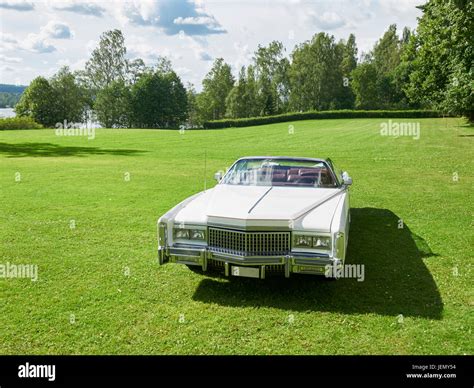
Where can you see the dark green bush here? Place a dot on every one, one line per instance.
(19, 123)
(315, 115)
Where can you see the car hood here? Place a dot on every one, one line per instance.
(243, 206)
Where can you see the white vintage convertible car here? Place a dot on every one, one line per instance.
(266, 215)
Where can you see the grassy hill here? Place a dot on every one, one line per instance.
(101, 291)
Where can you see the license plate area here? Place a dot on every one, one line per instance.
(247, 272)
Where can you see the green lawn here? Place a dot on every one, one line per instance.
(417, 297)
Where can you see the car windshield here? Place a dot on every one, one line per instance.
(280, 172)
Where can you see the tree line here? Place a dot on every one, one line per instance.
(119, 92)
(427, 68)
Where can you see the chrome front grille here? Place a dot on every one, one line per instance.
(242, 243)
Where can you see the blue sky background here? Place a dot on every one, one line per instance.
(38, 37)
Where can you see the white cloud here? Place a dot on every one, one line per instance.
(82, 8)
(198, 46)
(4, 58)
(7, 42)
(141, 13)
(203, 55)
(78, 65)
(17, 5)
(183, 71)
(56, 30)
(7, 38)
(169, 16)
(139, 48)
(243, 57)
(8, 69)
(326, 20)
(206, 21)
(399, 7)
(38, 44)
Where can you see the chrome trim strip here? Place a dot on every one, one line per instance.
(258, 201)
(198, 247)
(245, 261)
(312, 262)
(252, 228)
(309, 254)
(186, 252)
(339, 190)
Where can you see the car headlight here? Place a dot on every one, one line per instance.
(303, 241)
(182, 234)
(321, 242)
(197, 234)
(316, 242)
(189, 234)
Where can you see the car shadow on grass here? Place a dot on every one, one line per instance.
(396, 278)
(19, 150)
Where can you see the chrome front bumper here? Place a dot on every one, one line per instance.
(304, 263)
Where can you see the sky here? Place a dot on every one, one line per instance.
(38, 37)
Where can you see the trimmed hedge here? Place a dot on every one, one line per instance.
(19, 123)
(316, 115)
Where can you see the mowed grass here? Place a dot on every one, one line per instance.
(101, 291)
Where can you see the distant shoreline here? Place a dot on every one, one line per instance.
(7, 112)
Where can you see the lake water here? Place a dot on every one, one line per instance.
(7, 112)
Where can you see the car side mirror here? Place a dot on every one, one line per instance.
(218, 176)
(346, 179)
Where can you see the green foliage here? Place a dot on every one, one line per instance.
(243, 99)
(72, 98)
(53, 101)
(348, 64)
(386, 58)
(19, 123)
(193, 119)
(237, 101)
(216, 86)
(319, 115)
(378, 81)
(316, 75)
(135, 69)
(364, 85)
(176, 103)
(442, 73)
(401, 74)
(107, 62)
(386, 52)
(113, 105)
(144, 97)
(38, 102)
(158, 100)
(273, 84)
